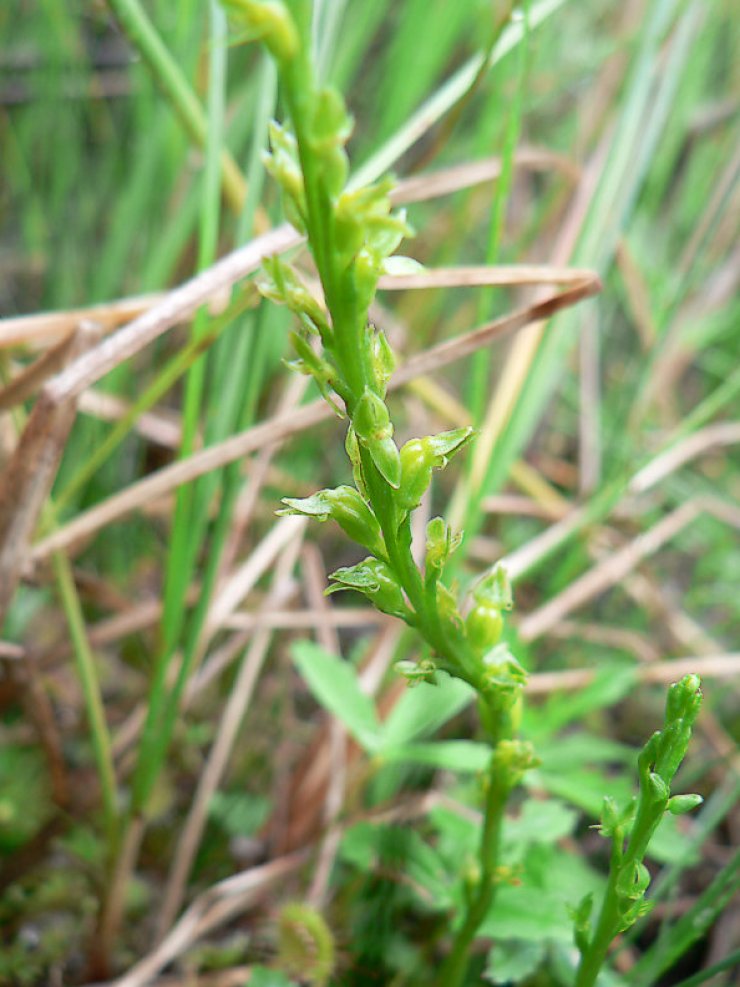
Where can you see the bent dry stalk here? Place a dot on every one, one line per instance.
(351, 235)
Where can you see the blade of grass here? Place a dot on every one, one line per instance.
(145, 38)
(187, 528)
(641, 122)
(88, 676)
(445, 98)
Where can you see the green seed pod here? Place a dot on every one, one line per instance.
(659, 791)
(420, 456)
(367, 270)
(679, 805)
(382, 359)
(483, 626)
(416, 474)
(371, 419)
(352, 448)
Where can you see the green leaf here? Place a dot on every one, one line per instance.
(421, 710)
(447, 755)
(262, 976)
(400, 852)
(334, 685)
(512, 961)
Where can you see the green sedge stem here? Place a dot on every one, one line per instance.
(87, 672)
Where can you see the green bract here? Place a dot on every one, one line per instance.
(440, 544)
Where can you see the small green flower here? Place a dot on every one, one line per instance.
(268, 21)
(378, 582)
(346, 506)
(373, 428)
(420, 456)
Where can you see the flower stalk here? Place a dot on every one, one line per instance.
(624, 899)
(351, 234)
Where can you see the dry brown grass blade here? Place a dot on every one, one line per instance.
(28, 477)
(280, 428)
(445, 181)
(177, 305)
(30, 378)
(619, 565)
(486, 276)
(50, 327)
(713, 666)
(211, 909)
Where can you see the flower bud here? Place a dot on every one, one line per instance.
(268, 21)
(330, 123)
(417, 671)
(483, 626)
(679, 805)
(283, 164)
(374, 430)
(494, 590)
(281, 283)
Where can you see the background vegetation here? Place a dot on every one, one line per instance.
(169, 647)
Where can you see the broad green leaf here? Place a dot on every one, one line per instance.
(446, 755)
(262, 976)
(334, 685)
(398, 850)
(511, 962)
(423, 709)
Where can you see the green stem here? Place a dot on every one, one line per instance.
(87, 672)
(455, 966)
